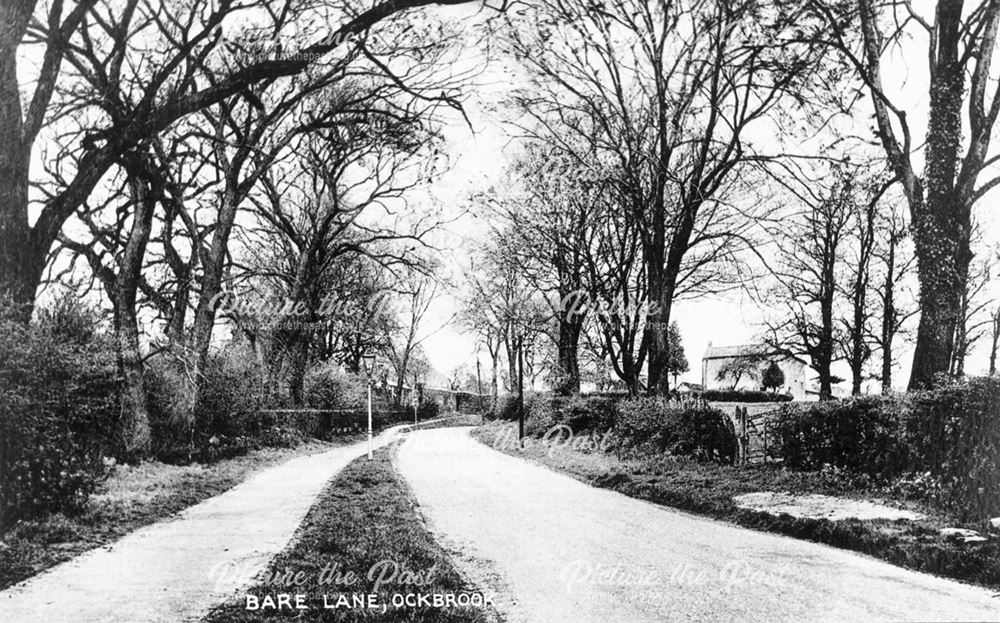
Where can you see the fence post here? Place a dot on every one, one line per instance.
(764, 435)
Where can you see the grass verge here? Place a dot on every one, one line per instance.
(708, 489)
(133, 496)
(364, 526)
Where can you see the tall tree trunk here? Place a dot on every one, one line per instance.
(824, 357)
(888, 319)
(569, 347)
(211, 289)
(942, 223)
(297, 375)
(135, 406)
(20, 271)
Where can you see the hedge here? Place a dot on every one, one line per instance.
(743, 395)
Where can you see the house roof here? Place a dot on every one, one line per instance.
(744, 350)
(733, 352)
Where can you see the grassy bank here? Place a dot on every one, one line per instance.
(133, 496)
(363, 527)
(708, 489)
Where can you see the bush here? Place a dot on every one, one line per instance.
(954, 433)
(582, 414)
(58, 411)
(505, 408)
(428, 410)
(327, 386)
(226, 421)
(864, 435)
(743, 395)
(651, 424)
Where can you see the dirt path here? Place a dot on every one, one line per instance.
(177, 570)
(559, 550)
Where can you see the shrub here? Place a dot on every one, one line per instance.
(772, 377)
(169, 394)
(428, 410)
(327, 386)
(505, 408)
(581, 414)
(58, 410)
(743, 395)
(954, 432)
(864, 435)
(227, 419)
(651, 424)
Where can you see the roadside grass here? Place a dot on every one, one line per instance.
(708, 489)
(133, 496)
(364, 520)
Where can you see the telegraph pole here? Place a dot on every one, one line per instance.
(520, 388)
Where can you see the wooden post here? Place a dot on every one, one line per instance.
(520, 388)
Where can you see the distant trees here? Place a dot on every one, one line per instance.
(677, 363)
(664, 98)
(417, 293)
(841, 263)
(551, 249)
(811, 253)
(744, 365)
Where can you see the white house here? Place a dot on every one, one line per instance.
(741, 367)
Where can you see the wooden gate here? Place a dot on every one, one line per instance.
(753, 434)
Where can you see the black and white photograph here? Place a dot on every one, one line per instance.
(499, 311)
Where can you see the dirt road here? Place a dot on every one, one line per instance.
(178, 569)
(559, 550)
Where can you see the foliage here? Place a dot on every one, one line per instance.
(504, 409)
(677, 362)
(743, 395)
(226, 421)
(58, 411)
(428, 410)
(773, 377)
(581, 414)
(954, 433)
(327, 386)
(863, 435)
(747, 365)
(690, 428)
(940, 445)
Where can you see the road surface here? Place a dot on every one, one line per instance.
(178, 569)
(556, 549)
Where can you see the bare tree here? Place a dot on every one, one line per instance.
(895, 265)
(417, 295)
(960, 53)
(182, 40)
(975, 314)
(554, 216)
(811, 256)
(862, 239)
(667, 93)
